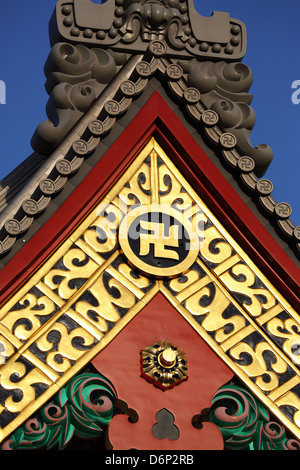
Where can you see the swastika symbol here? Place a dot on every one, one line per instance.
(155, 235)
(128, 87)
(30, 207)
(80, 147)
(12, 226)
(174, 71)
(192, 95)
(246, 164)
(228, 140)
(283, 210)
(47, 186)
(264, 186)
(64, 167)
(143, 69)
(96, 127)
(155, 240)
(210, 117)
(157, 48)
(112, 107)
(297, 232)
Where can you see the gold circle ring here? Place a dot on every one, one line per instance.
(180, 237)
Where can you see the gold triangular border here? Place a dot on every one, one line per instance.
(22, 345)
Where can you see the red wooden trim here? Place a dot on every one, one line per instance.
(157, 118)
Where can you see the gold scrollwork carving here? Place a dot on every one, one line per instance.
(102, 301)
(289, 331)
(265, 375)
(76, 266)
(241, 279)
(212, 303)
(24, 321)
(142, 282)
(171, 191)
(101, 235)
(16, 378)
(84, 290)
(185, 282)
(60, 345)
(137, 190)
(6, 350)
(292, 401)
(215, 247)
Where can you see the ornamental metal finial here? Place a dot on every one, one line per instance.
(164, 365)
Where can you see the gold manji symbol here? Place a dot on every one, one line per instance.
(153, 233)
(159, 240)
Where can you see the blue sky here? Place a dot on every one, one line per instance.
(273, 55)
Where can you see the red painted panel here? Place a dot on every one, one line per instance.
(120, 363)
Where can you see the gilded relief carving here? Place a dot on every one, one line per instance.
(29, 314)
(105, 300)
(89, 289)
(63, 344)
(74, 269)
